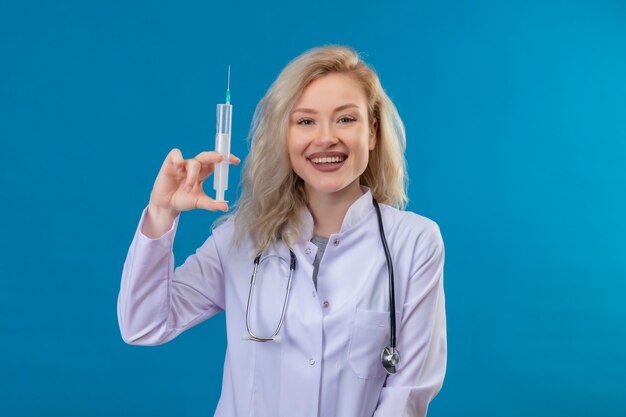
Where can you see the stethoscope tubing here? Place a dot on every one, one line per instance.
(252, 336)
(390, 356)
(392, 291)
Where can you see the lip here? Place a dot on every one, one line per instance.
(328, 166)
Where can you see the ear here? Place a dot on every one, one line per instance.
(373, 135)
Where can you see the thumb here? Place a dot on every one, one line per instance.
(207, 203)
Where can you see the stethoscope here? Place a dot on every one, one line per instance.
(389, 357)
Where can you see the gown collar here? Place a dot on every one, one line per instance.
(360, 209)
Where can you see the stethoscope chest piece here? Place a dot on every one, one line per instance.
(390, 359)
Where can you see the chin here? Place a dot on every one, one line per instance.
(327, 187)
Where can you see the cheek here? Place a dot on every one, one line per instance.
(294, 150)
(363, 160)
(362, 153)
(297, 144)
(292, 144)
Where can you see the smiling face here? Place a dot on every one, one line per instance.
(330, 136)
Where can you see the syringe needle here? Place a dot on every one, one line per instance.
(228, 87)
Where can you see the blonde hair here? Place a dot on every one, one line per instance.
(272, 194)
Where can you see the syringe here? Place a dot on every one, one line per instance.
(222, 144)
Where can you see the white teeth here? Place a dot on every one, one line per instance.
(328, 160)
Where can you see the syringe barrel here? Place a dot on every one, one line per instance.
(224, 118)
(222, 146)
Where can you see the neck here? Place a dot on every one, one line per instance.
(329, 210)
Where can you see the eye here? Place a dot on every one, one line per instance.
(347, 119)
(305, 122)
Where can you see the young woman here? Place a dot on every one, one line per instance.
(333, 294)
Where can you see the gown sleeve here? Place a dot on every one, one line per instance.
(156, 302)
(421, 336)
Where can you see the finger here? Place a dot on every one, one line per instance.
(207, 161)
(234, 160)
(193, 169)
(175, 161)
(175, 156)
(207, 203)
(209, 158)
(212, 157)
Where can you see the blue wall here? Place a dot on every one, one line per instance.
(516, 122)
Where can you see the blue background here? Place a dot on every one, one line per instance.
(515, 114)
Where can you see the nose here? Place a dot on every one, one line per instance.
(326, 136)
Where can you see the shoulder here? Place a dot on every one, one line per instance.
(224, 231)
(415, 239)
(224, 225)
(417, 244)
(411, 226)
(225, 235)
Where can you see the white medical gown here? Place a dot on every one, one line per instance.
(327, 363)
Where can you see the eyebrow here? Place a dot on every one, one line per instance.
(345, 106)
